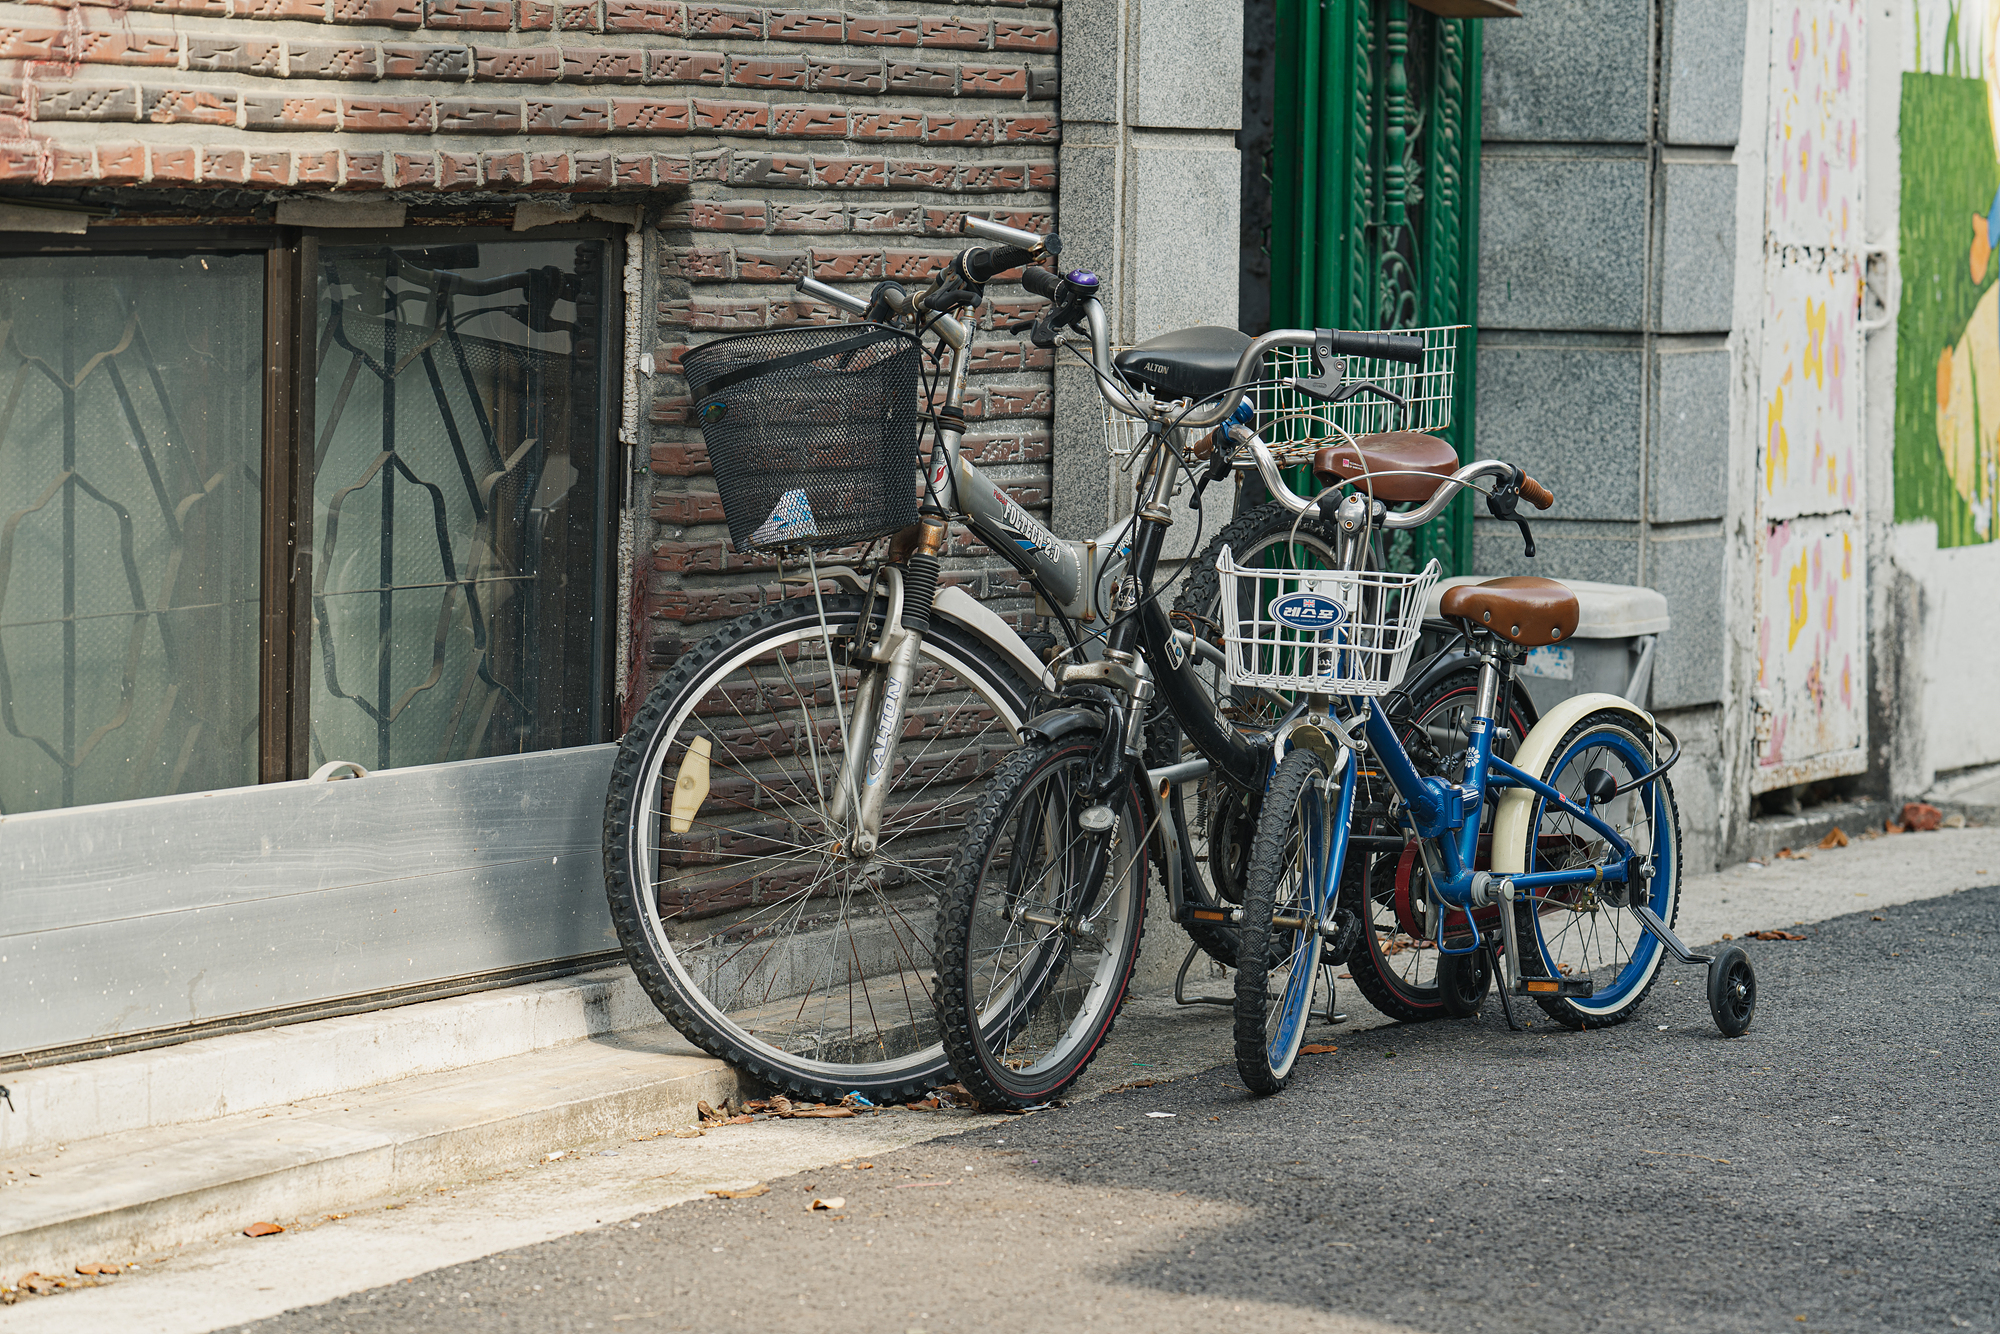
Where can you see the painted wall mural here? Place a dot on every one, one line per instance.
(1810, 657)
(1947, 451)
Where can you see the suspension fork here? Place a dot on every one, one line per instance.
(867, 768)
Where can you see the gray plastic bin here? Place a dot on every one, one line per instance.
(1612, 650)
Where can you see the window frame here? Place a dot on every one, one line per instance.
(289, 418)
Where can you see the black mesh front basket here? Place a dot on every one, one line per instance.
(812, 433)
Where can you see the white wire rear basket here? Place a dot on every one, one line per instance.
(1330, 632)
(1296, 426)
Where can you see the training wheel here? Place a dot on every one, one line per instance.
(1463, 981)
(1732, 990)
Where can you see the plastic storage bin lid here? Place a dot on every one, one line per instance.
(1609, 611)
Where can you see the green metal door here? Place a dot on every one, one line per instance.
(1375, 190)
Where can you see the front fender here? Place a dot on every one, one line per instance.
(1056, 724)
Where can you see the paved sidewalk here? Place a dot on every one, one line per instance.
(208, 1285)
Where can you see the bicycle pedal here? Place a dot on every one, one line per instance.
(1581, 988)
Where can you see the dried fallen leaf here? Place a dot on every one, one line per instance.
(823, 1113)
(1921, 817)
(1772, 935)
(1836, 837)
(97, 1267)
(743, 1120)
(689, 1132)
(781, 1106)
(262, 1230)
(706, 1112)
(748, 1192)
(830, 1202)
(1317, 1049)
(1891, 827)
(864, 1167)
(1878, 918)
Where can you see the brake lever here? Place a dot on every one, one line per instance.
(1502, 502)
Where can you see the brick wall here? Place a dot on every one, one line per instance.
(767, 143)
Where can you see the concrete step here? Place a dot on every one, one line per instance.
(118, 1197)
(1768, 833)
(253, 1072)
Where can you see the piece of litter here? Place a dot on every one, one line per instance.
(829, 1203)
(607, 1153)
(1663, 1028)
(1317, 1049)
(1161, 1116)
(551, 1157)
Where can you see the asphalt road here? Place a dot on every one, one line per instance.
(1836, 1169)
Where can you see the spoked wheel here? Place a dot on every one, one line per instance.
(1396, 966)
(1732, 991)
(747, 923)
(1040, 925)
(1277, 967)
(1579, 931)
(1219, 820)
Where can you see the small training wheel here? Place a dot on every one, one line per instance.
(1732, 990)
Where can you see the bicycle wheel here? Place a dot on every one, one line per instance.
(1277, 967)
(1584, 930)
(1396, 967)
(1034, 952)
(748, 928)
(1219, 822)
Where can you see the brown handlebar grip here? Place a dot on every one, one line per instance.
(1535, 493)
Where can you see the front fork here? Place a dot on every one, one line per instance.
(867, 769)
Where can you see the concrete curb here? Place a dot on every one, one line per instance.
(135, 1194)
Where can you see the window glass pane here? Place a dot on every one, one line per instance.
(130, 428)
(458, 526)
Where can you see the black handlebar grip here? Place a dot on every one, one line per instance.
(982, 262)
(1386, 347)
(1040, 281)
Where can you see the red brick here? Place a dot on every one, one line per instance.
(68, 164)
(724, 21)
(653, 16)
(746, 73)
(408, 169)
(113, 102)
(188, 106)
(1021, 35)
(537, 64)
(227, 166)
(387, 115)
(809, 122)
(919, 175)
(958, 129)
(1044, 81)
(732, 117)
(506, 170)
(992, 81)
(939, 80)
(822, 218)
(314, 10)
(919, 265)
(270, 168)
(479, 15)
(885, 30)
(908, 218)
(361, 171)
(548, 171)
(178, 165)
(535, 16)
(686, 67)
(634, 170)
(995, 176)
(774, 172)
(850, 173)
(1029, 129)
(458, 171)
(482, 116)
(318, 168)
(682, 458)
(290, 113)
(712, 166)
(957, 33)
(723, 314)
(330, 60)
(548, 117)
(20, 163)
(34, 44)
(869, 124)
(1019, 401)
(426, 62)
(576, 16)
(771, 266)
(841, 266)
(699, 265)
(123, 163)
(704, 215)
(379, 13)
(592, 171)
(112, 47)
(635, 116)
(845, 76)
(234, 55)
(603, 64)
(790, 26)
(1042, 176)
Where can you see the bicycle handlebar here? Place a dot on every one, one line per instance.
(1272, 472)
(1535, 493)
(1040, 281)
(981, 263)
(1406, 348)
(833, 296)
(1010, 236)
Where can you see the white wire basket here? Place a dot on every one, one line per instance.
(1330, 632)
(1296, 426)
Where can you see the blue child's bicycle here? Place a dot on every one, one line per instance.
(1556, 874)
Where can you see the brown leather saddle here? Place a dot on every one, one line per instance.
(1392, 466)
(1520, 609)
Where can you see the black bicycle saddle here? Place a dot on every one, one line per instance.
(1187, 363)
